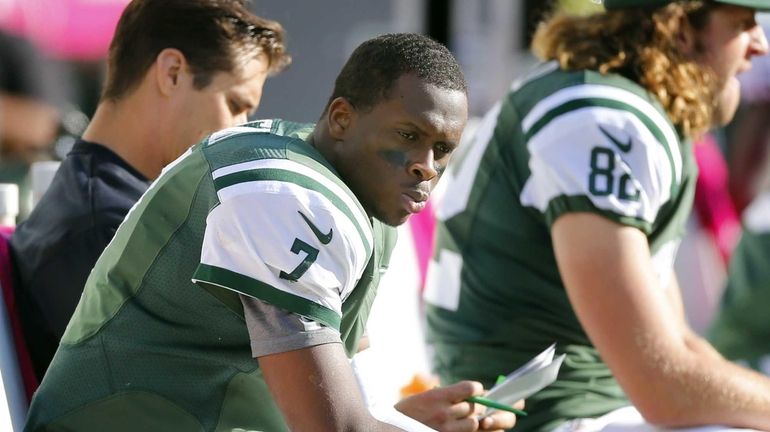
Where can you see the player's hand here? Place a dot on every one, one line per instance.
(500, 420)
(446, 410)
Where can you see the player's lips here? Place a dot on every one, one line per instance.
(414, 200)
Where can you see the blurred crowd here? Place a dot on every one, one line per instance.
(53, 64)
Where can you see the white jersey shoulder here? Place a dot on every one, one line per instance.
(289, 227)
(604, 143)
(233, 131)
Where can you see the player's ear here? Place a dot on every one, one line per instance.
(340, 116)
(170, 66)
(686, 37)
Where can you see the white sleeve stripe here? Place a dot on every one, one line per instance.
(586, 91)
(613, 116)
(275, 184)
(307, 197)
(354, 209)
(568, 171)
(226, 133)
(289, 165)
(275, 243)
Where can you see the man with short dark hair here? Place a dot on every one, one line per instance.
(266, 242)
(178, 70)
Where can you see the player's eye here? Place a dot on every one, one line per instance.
(407, 135)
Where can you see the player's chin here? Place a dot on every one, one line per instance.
(397, 220)
(394, 217)
(727, 103)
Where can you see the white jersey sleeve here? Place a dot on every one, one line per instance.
(286, 235)
(603, 149)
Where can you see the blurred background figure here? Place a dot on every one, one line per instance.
(741, 329)
(712, 231)
(747, 138)
(29, 111)
(30, 99)
(51, 56)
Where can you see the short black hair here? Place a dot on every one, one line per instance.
(374, 67)
(214, 36)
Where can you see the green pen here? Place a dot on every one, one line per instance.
(496, 405)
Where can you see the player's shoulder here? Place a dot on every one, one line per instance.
(558, 97)
(278, 145)
(270, 138)
(548, 77)
(550, 86)
(271, 161)
(602, 137)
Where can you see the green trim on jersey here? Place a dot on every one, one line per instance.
(566, 204)
(281, 175)
(260, 290)
(239, 148)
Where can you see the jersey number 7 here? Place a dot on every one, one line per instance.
(312, 254)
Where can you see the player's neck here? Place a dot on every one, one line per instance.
(323, 142)
(124, 128)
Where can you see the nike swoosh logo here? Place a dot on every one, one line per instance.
(323, 238)
(624, 147)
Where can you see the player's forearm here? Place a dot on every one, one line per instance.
(701, 347)
(745, 397)
(698, 387)
(670, 375)
(363, 423)
(378, 426)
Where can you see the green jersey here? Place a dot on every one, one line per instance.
(158, 341)
(559, 142)
(741, 329)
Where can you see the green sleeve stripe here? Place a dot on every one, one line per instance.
(612, 104)
(282, 175)
(579, 203)
(208, 274)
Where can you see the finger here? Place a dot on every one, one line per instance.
(468, 424)
(461, 410)
(500, 420)
(479, 409)
(461, 390)
(519, 405)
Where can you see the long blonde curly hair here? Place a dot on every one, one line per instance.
(643, 46)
